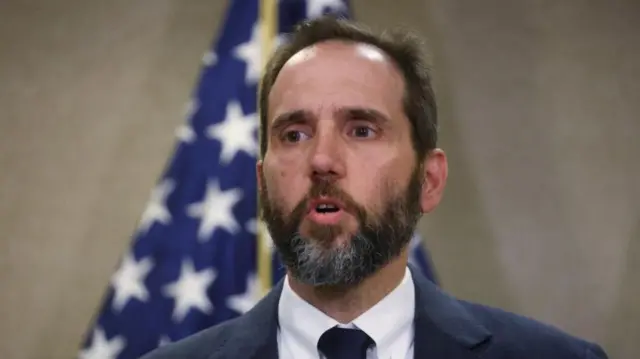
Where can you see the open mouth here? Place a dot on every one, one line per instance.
(325, 211)
(326, 208)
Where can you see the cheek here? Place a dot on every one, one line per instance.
(376, 176)
(369, 180)
(284, 184)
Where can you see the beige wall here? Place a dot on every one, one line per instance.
(539, 103)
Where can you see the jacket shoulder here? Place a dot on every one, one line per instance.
(200, 345)
(524, 337)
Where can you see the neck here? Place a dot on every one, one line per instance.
(344, 304)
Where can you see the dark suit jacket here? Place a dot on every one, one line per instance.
(445, 327)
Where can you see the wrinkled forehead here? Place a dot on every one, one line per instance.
(336, 72)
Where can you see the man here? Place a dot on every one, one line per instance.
(349, 165)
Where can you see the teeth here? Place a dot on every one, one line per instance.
(326, 206)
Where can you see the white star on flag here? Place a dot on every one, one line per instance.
(209, 58)
(185, 134)
(316, 8)
(101, 348)
(128, 281)
(156, 210)
(250, 53)
(216, 210)
(190, 290)
(236, 133)
(242, 302)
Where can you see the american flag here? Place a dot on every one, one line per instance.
(193, 260)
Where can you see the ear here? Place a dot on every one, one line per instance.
(435, 178)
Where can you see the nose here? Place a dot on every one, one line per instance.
(327, 162)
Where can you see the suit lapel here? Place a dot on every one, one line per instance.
(255, 334)
(443, 327)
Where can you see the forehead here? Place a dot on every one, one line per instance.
(337, 74)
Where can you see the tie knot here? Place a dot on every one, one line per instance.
(341, 343)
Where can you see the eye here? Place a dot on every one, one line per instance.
(362, 132)
(294, 136)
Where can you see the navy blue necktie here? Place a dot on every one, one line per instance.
(341, 343)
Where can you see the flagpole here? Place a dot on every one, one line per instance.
(268, 30)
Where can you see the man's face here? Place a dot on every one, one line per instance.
(339, 185)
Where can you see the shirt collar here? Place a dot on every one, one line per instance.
(385, 322)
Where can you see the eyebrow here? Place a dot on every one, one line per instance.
(364, 113)
(289, 118)
(302, 116)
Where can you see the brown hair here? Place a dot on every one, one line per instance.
(401, 46)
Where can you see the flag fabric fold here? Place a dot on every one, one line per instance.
(192, 262)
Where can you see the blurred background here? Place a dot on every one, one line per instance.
(539, 104)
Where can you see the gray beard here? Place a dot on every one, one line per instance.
(344, 265)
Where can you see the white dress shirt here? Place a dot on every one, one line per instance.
(389, 323)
